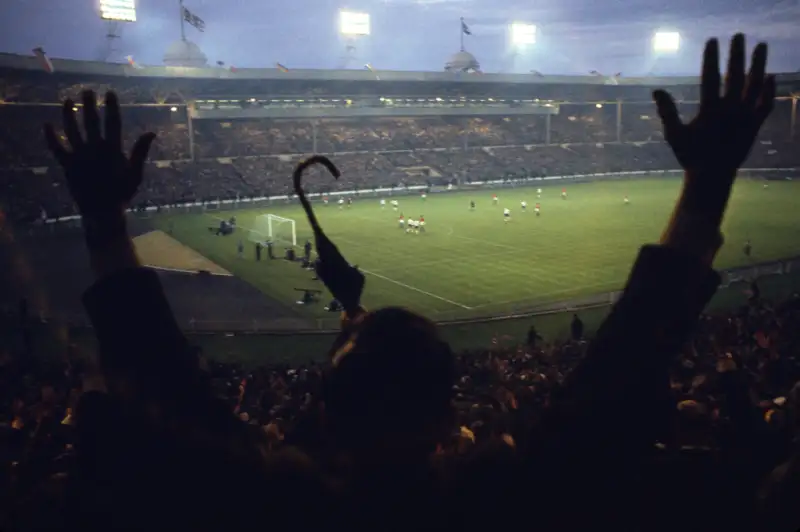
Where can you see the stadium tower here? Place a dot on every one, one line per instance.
(185, 53)
(462, 61)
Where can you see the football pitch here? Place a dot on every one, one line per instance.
(473, 263)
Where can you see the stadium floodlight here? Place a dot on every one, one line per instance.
(121, 10)
(353, 24)
(666, 41)
(522, 34)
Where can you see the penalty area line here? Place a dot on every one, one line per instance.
(415, 289)
(388, 279)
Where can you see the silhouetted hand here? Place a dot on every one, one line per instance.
(101, 179)
(718, 140)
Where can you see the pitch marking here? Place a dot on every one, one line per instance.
(389, 279)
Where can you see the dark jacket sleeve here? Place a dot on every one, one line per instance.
(136, 330)
(760, 446)
(609, 400)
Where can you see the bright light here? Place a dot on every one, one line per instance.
(123, 10)
(173, 109)
(523, 34)
(666, 41)
(599, 105)
(352, 24)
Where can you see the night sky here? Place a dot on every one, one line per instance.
(574, 36)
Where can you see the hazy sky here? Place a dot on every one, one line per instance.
(575, 36)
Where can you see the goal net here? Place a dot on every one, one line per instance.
(274, 228)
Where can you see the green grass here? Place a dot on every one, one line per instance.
(471, 264)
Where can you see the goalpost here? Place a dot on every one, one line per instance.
(274, 228)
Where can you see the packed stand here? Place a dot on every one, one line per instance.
(251, 158)
(661, 420)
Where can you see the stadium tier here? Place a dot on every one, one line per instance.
(226, 134)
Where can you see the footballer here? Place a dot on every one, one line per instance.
(383, 204)
(494, 199)
(537, 209)
(524, 205)
(539, 193)
(563, 193)
(401, 222)
(506, 214)
(472, 205)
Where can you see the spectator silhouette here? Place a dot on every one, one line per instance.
(157, 449)
(576, 328)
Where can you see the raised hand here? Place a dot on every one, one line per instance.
(718, 140)
(101, 179)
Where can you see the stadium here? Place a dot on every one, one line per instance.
(431, 142)
(499, 297)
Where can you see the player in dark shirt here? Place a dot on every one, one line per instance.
(472, 205)
(307, 250)
(748, 248)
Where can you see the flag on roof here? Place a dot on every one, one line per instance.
(43, 59)
(464, 28)
(281, 67)
(131, 62)
(595, 73)
(194, 20)
(369, 67)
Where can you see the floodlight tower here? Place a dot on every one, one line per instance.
(666, 42)
(353, 26)
(521, 37)
(115, 13)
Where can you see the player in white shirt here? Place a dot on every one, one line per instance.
(524, 205)
(341, 203)
(539, 193)
(412, 226)
(626, 201)
(383, 204)
(395, 204)
(506, 215)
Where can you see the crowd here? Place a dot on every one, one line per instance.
(734, 380)
(663, 419)
(254, 159)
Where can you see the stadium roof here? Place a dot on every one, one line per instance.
(23, 62)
